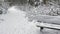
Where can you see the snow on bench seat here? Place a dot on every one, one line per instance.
(47, 25)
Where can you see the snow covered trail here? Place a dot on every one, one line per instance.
(15, 23)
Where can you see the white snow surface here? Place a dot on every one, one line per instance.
(15, 23)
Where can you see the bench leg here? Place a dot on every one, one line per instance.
(41, 28)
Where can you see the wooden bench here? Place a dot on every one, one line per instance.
(47, 25)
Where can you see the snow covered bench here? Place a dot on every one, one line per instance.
(51, 22)
(47, 25)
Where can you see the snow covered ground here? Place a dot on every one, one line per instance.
(15, 23)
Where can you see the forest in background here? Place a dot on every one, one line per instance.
(32, 2)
